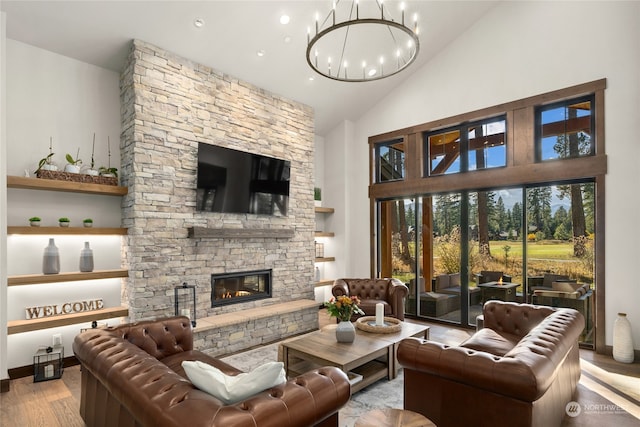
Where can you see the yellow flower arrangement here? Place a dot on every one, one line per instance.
(343, 307)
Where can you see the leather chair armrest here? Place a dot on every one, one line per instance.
(339, 288)
(398, 291)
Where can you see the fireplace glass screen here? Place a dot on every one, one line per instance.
(231, 288)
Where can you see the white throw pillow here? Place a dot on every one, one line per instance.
(234, 388)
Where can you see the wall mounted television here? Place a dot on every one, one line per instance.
(234, 181)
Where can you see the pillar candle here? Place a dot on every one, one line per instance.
(379, 314)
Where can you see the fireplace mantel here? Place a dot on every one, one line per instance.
(240, 233)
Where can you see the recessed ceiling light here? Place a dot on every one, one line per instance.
(287, 39)
(311, 78)
(372, 72)
(260, 53)
(198, 22)
(284, 19)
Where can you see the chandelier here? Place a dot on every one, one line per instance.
(351, 48)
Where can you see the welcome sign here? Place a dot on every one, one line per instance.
(65, 308)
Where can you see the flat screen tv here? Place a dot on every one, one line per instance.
(235, 181)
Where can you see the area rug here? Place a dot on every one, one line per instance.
(594, 410)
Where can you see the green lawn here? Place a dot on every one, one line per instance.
(541, 250)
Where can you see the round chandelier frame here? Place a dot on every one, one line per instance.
(401, 63)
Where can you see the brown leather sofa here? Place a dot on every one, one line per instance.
(390, 292)
(521, 369)
(132, 376)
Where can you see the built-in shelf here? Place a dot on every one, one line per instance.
(28, 325)
(241, 233)
(323, 283)
(320, 209)
(35, 279)
(68, 230)
(324, 234)
(66, 186)
(326, 259)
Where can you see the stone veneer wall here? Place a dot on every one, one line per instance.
(169, 104)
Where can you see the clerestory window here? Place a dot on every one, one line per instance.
(565, 129)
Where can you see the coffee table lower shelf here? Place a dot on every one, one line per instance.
(371, 372)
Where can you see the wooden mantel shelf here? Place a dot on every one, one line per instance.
(19, 326)
(241, 233)
(67, 186)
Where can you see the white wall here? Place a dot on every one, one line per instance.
(49, 95)
(521, 49)
(3, 201)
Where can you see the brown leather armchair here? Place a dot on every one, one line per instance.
(390, 292)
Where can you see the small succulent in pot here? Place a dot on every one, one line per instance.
(88, 222)
(64, 221)
(35, 221)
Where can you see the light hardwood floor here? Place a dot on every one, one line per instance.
(55, 403)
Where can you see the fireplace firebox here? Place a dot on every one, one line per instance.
(232, 288)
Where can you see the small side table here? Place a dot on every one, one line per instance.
(393, 418)
(47, 364)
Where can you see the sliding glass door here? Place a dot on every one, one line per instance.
(456, 251)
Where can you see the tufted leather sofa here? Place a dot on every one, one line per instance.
(132, 376)
(390, 292)
(521, 369)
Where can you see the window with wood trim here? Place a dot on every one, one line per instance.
(564, 130)
(441, 227)
(390, 161)
(466, 147)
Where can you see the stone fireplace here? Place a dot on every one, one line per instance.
(169, 105)
(234, 288)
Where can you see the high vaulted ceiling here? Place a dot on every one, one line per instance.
(99, 33)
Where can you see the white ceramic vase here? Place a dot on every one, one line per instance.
(622, 339)
(345, 331)
(51, 259)
(86, 258)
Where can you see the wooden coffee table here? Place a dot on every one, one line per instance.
(393, 418)
(371, 356)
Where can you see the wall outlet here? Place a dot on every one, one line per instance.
(57, 340)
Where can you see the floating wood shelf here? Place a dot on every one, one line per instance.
(323, 283)
(19, 326)
(324, 234)
(320, 209)
(241, 233)
(68, 230)
(34, 279)
(326, 259)
(66, 186)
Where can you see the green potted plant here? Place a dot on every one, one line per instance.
(92, 171)
(64, 221)
(46, 163)
(34, 221)
(112, 172)
(88, 222)
(317, 196)
(109, 171)
(73, 165)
